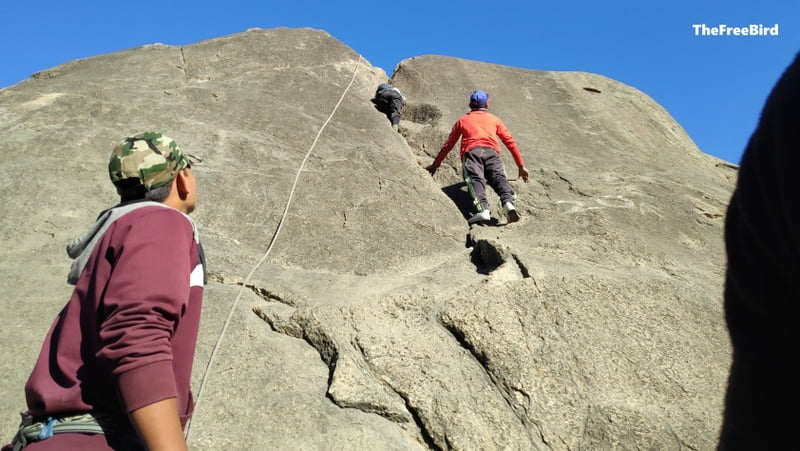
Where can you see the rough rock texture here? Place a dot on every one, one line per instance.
(380, 319)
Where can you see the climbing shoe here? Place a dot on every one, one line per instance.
(511, 212)
(480, 217)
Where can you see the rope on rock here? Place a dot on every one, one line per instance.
(210, 363)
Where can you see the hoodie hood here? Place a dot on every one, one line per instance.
(81, 248)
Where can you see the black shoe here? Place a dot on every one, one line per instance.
(511, 212)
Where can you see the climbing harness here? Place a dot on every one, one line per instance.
(87, 423)
(210, 363)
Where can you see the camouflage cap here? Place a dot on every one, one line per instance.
(151, 157)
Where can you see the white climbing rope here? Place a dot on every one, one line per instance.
(210, 363)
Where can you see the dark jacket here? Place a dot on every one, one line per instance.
(762, 288)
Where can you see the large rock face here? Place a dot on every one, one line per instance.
(379, 319)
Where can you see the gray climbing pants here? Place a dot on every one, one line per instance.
(482, 165)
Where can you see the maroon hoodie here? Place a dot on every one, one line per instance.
(127, 336)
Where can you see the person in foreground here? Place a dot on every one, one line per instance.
(114, 370)
(762, 288)
(480, 157)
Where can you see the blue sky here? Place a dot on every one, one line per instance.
(714, 86)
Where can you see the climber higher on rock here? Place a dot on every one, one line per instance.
(480, 157)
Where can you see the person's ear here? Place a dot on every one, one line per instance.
(182, 183)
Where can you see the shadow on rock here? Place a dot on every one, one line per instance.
(460, 196)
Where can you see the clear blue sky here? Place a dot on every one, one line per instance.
(714, 86)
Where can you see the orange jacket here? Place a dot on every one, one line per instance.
(479, 128)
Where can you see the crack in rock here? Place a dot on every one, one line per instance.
(570, 185)
(497, 260)
(418, 420)
(351, 383)
(516, 408)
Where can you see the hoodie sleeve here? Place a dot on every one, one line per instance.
(452, 139)
(511, 145)
(146, 295)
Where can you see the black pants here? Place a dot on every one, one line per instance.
(482, 165)
(390, 104)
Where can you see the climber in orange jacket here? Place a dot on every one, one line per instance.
(480, 157)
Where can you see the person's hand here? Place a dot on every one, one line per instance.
(431, 169)
(523, 174)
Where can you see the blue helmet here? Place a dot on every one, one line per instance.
(478, 99)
